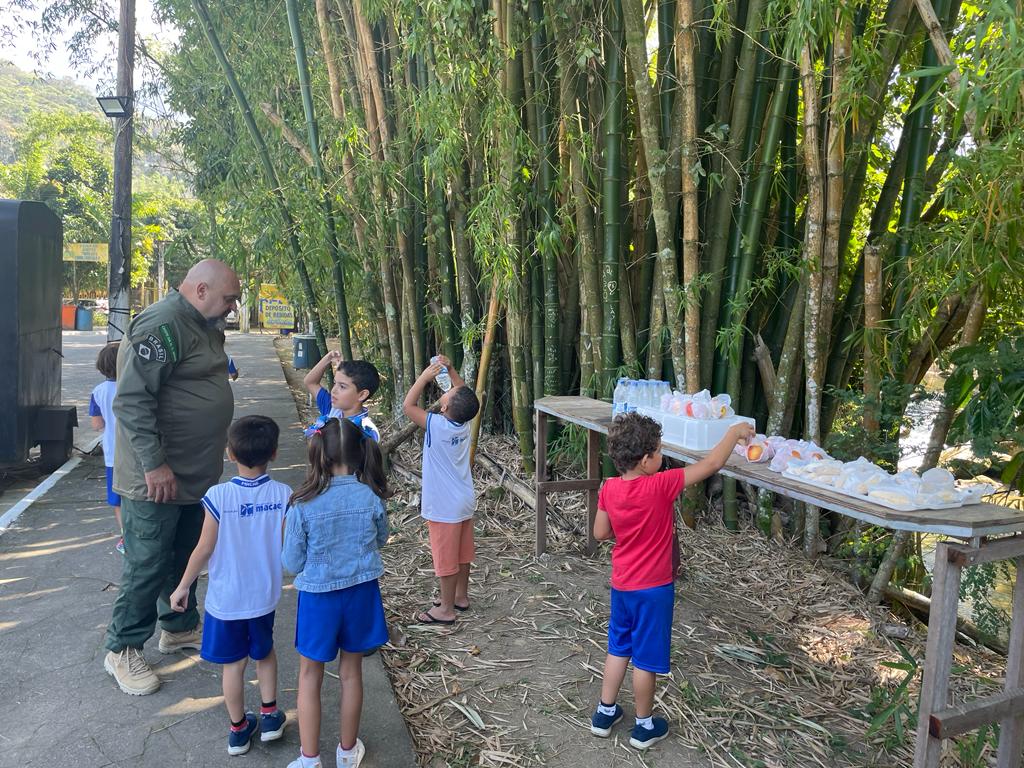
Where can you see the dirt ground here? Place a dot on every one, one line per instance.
(776, 661)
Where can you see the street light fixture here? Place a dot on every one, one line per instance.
(115, 106)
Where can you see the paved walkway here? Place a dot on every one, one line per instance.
(58, 580)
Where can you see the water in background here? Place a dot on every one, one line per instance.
(921, 414)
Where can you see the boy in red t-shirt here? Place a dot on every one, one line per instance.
(637, 509)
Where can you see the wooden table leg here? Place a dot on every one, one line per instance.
(1011, 729)
(540, 476)
(593, 473)
(938, 660)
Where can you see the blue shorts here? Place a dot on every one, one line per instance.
(226, 641)
(350, 619)
(113, 499)
(641, 627)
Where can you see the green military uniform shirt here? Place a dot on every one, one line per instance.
(173, 402)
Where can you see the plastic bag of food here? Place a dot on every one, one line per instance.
(757, 450)
(699, 406)
(721, 407)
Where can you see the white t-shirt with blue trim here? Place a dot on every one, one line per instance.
(245, 568)
(101, 403)
(448, 495)
(361, 420)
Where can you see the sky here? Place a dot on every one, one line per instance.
(22, 49)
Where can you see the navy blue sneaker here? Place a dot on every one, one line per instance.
(240, 741)
(601, 725)
(272, 725)
(642, 738)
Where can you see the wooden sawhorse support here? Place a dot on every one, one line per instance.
(936, 720)
(545, 486)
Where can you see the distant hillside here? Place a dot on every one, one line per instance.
(22, 92)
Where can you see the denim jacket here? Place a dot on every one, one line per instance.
(332, 541)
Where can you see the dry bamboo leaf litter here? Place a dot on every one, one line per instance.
(774, 658)
(811, 663)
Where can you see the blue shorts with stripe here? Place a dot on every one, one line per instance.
(113, 499)
(641, 626)
(226, 641)
(351, 620)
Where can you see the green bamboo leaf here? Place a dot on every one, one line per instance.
(1013, 469)
(938, 71)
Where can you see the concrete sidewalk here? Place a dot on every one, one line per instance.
(58, 580)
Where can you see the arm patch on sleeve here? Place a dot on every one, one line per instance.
(151, 349)
(169, 341)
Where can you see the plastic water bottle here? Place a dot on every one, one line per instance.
(632, 395)
(444, 381)
(619, 398)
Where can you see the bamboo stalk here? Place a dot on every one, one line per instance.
(611, 201)
(636, 52)
(872, 327)
(812, 259)
(287, 133)
(720, 208)
(485, 364)
(689, 164)
(323, 24)
(333, 250)
(269, 171)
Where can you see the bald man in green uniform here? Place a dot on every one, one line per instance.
(173, 407)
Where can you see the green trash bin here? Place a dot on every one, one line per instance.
(304, 348)
(83, 319)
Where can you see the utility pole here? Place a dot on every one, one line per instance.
(161, 245)
(121, 225)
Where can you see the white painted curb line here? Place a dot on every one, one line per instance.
(11, 515)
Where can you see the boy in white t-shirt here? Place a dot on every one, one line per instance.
(448, 499)
(241, 540)
(101, 414)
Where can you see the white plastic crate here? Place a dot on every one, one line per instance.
(692, 434)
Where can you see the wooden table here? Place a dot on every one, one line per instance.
(974, 523)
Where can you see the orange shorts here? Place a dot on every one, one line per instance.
(451, 545)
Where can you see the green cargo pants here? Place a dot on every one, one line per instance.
(158, 540)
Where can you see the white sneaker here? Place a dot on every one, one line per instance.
(354, 758)
(297, 763)
(133, 675)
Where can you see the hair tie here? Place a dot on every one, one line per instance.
(314, 428)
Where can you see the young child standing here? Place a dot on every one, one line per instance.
(355, 382)
(334, 529)
(101, 414)
(241, 540)
(636, 509)
(448, 500)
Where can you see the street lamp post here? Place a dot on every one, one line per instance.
(121, 109)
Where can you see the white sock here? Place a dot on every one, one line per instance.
(309, 762)
(346, 752)
(646, 722)
(606, 709)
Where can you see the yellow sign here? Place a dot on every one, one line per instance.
(275, 311)
(96, 252)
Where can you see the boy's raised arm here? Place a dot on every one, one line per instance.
(411, 406)
(316, 373)
(716, 459)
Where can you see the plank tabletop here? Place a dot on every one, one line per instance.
(967, 522)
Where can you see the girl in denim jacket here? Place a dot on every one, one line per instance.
(334, 528)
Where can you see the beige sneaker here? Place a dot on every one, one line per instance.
(179, 641)
(133, 675)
